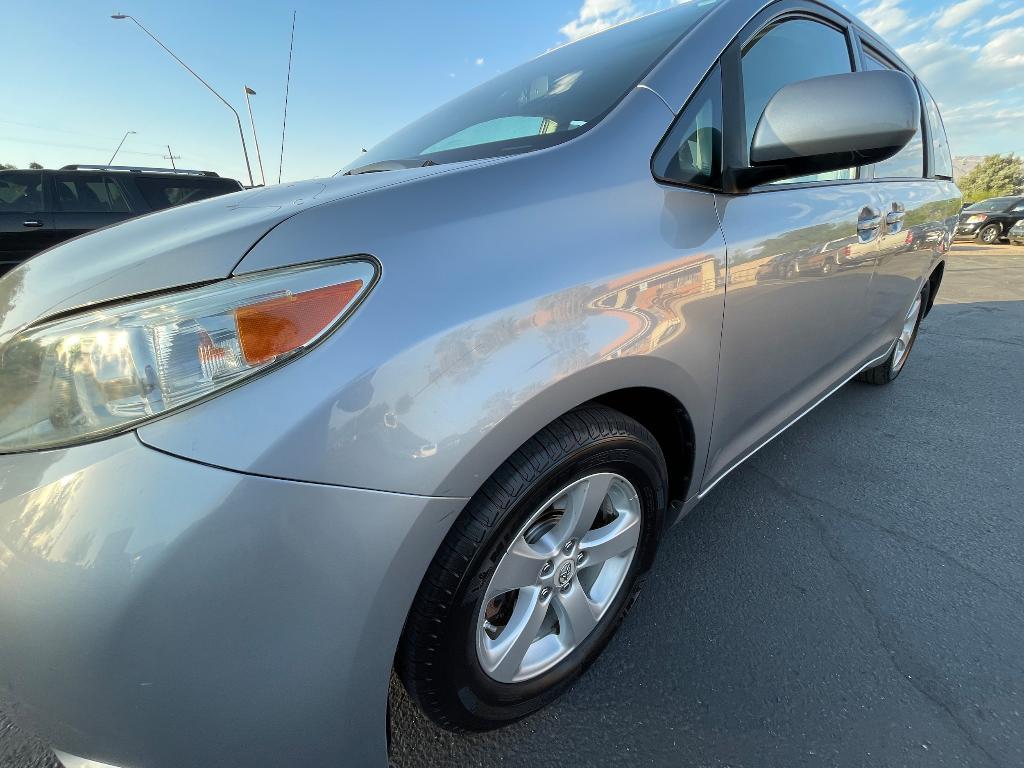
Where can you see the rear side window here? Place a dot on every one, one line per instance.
(162, 193)
(87, 193)
(942, 163)
(908, 163)
(692, 151)
(21, 192)
(787, 52)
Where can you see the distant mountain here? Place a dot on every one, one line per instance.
(965, 164)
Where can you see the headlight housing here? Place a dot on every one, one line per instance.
(976, 218)
(106, 370)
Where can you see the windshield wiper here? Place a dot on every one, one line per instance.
(390, 165)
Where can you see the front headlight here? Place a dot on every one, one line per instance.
(103, 371)
(976, 218)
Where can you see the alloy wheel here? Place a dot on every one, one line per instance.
(906, 337)
(559, 576)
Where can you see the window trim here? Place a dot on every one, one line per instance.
(924, 94)
(716, 68)
(868, 49)
(736, 147)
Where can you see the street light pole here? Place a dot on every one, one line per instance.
(241, 133)
(126, 135)
(250, 92)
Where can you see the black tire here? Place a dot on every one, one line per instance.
(883, 373)
(437, 659)
(989, 234)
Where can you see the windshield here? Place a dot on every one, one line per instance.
(543, 102)
(995, 204)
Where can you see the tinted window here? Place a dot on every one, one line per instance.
(545, 101)
(942, 163)
(21, 192)
(88, 193)
(993, 204)
(788, 52)
(162, 193)
(691, 154)
(909, 161)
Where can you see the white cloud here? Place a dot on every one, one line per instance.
(1004, 18)
(889, 17)
(954, 15)
(479, 62)
(598, 15)
(1005, 50)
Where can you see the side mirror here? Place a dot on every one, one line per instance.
(830, 123)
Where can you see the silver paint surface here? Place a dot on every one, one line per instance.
(228, 585)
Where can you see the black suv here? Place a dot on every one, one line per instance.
(39, 209)
(990, 220)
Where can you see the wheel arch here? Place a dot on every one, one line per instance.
(934, 281)
(667, 419)
(655, 392)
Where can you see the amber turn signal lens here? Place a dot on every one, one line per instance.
(284, 324)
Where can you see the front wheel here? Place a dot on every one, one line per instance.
(537, 572)
(989, 234)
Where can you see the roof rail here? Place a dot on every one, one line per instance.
(134, 169)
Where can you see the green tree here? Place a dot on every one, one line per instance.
(35, 166)
(7, 167)
(996, 176)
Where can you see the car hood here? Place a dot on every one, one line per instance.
(192, 244)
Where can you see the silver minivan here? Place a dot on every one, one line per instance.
(435, 413)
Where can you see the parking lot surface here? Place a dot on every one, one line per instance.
(853, 595)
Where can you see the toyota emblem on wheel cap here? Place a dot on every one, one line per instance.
(565, 573)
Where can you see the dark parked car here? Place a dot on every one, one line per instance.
(1016, 233)
(39, 209)
(990, 220)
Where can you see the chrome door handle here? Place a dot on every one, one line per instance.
(32, 224)
(894, 218)
(868, 224)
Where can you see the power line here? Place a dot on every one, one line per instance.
(75, 146)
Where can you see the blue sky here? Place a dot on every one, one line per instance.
(363, 69)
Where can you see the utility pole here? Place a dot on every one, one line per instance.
(172, 157)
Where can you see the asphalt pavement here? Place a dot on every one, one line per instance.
(852, 596)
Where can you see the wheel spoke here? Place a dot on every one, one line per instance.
(619, 537)
(577, 616)
(508, 651)
(584, 503)
(520, 567)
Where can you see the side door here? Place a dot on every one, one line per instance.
(916, 210)
(801, 252)
(26, 228)
(86, 201)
